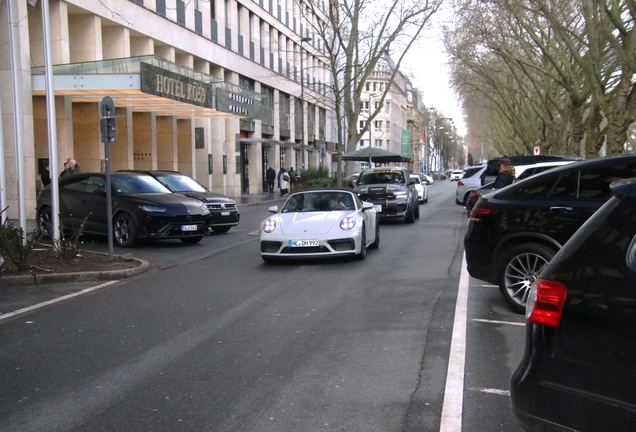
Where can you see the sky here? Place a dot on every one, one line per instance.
(425, 66)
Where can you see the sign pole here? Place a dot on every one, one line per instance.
(107, 124)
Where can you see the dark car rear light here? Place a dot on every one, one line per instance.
(478, 213)
(545, 303)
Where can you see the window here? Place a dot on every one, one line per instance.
(365, 107)
(537, 189)
(388, 144)
(388, 126)
(378, 125)
(388, 107)
(375, 86)
(366, 86)
(378, 143)
(363, 123)
(377, 105)
(364, 143)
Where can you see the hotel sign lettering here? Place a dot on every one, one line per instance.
(237, 103)
(162, 82)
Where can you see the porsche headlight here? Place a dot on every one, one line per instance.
(152, 208)
(401, 194)
(268, 225)
(347, 223)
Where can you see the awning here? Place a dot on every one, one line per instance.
(149, 84)
(370, 154)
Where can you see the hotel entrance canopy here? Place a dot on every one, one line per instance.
(151, 84)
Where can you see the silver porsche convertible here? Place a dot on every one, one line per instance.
(320, 223)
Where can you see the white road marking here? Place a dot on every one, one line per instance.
(454, 391)
(500, 322)
(492, 391)
(55, 300)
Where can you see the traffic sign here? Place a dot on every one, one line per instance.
(537, 150)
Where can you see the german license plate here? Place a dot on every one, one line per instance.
(188, 227)
(378, 208)
(225, 213)
(303, 243)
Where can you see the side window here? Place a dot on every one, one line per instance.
(76, 185)
(567, 186)
(471, 172)
(95, 184)
(595, 182)
(535, 190)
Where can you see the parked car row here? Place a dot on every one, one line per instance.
(561, 245)
(145, 205)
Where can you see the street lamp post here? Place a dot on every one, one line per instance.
(302, 102)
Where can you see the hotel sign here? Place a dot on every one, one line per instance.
(235, 102)
(164, 83)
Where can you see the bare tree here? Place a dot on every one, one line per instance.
(357, 35)
(573, 60)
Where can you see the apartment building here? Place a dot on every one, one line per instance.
(217, 89)
(387, 129)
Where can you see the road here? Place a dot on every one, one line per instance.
(215, 340)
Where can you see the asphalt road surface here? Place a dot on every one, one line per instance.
(213, 339)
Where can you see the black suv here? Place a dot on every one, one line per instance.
(513, 232)
(578, 371)
(223, 211)
(391, 190)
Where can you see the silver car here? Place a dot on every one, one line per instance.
(470, 182)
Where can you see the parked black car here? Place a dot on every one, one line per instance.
(578, 371)
(142, 208)
(391, 190)
(223, 211)
(513, 232)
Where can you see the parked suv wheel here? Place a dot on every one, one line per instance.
(520, 267)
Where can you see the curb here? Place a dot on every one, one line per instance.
(75, 276)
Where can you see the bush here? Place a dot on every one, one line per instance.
(315, 178)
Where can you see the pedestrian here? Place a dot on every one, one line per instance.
(284, 183)
(70, 167)
(278, 177)
(270, 176)
(506, 174)
(46, 176)
(293, 176)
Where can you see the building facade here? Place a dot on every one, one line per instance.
(208, 88)
(386, 130)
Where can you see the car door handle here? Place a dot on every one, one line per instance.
(561, 209)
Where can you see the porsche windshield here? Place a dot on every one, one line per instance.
(319, 201)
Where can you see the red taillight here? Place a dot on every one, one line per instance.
(459, 183)
(479, 212)
(545, 302)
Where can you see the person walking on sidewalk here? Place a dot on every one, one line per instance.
(284, 183)
(270, 176)
(293, 176)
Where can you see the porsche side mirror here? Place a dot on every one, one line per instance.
(367, 205)
(273, 209)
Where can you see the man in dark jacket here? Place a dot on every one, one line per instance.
(270, 176)
(70, 167)
(506, 174)
(293, 176)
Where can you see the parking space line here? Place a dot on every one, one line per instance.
(55, 300)
(454, 391)
(522, 324)
(492, 391)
